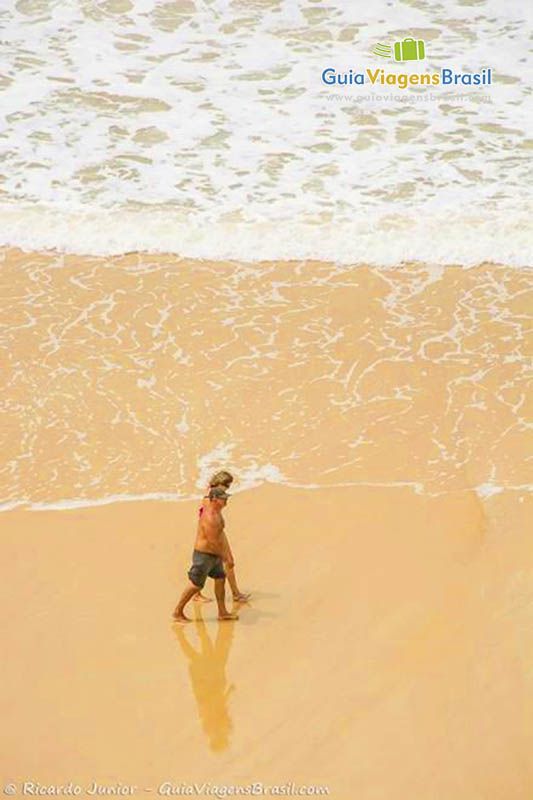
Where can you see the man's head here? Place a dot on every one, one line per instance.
(218, 496)
(222, 478)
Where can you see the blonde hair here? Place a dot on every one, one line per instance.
(221, 479)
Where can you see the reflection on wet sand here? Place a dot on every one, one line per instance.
(207, 669)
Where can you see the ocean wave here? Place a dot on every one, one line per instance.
(199, 130)
(449, 238)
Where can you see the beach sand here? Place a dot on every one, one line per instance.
(386, 652)
(140, 374)
(375, 420)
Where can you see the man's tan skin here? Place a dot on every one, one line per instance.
(224, 479)
(210, 539)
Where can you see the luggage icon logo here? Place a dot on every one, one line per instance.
(405, 50)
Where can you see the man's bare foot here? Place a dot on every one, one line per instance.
(201, 598)
(180, 617)
(227, 615)
(242, 597)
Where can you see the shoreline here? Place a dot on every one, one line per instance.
(483, 491)
(422, 263)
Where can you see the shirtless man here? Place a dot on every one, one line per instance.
(210, 550)
(223, 479)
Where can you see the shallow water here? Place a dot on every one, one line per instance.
(137, 376)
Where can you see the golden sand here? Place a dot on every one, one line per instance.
(386, 652)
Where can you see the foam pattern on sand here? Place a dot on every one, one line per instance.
(137, 376)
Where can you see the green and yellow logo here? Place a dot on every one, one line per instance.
(408, 49)
(405, 50)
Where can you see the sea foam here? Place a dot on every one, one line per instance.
(203, 131)
(391, 240)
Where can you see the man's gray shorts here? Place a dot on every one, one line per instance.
(205, 565)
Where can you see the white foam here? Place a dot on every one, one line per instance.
(71, 503)
(218, 130)
(488, 490)
(448, 239)
(484, 491)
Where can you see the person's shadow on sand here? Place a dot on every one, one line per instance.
(207, 670)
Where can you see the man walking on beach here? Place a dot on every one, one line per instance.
(210, 550)
(224, 479)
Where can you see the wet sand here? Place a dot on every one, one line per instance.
(141, 374)
(386, 653)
